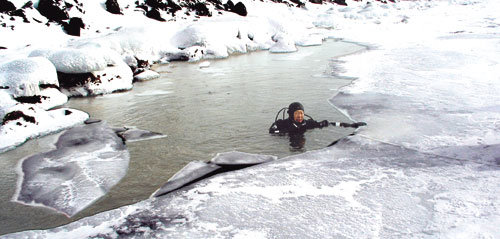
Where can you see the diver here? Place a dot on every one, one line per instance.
(295, 125)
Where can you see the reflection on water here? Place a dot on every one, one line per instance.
(202, 110)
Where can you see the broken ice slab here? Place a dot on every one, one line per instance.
(87, 162)
(192, 172)
(222, 162)
(132, 134)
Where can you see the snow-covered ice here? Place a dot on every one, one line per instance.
(146, 75)
(222, 162)
(88, 160)
(353, 190)
(241, 158)
(193, 171)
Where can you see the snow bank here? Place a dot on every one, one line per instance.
(87, 162)
(28, 89)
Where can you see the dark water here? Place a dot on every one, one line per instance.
(226, 106)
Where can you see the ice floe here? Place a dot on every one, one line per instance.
(87, 162)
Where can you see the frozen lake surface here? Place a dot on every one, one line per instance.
(204, 109)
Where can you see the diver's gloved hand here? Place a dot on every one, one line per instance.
(353, 125)
(323, 123)
(358, 124)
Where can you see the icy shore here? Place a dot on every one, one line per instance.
(426, 166)
(110, 50)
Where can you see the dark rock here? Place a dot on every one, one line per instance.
(68, 81)
(20, 13)
(28, 4)
(298, 2)
(201, 9)
(143, 7)
(181, 56)
(50, 10)
(4, 87)
(156, 4)
(15, 115)
(240, 9)
(46, 86)
(142, 63)
(153, 8)
(340, 2)
(30, 99)
(74, 26)
(229, 6)
(68, 112)
(6, 6)
(316, 1)
(112, 6)
(155, 14)
(172, 7)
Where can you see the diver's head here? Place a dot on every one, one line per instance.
(296, 112)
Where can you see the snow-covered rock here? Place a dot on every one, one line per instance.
(74, 61)
(88, 70)
(31, 80)
(25, 121)
(24, 77)
(87, 162)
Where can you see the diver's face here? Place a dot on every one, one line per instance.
(298, 116)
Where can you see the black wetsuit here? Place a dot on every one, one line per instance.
(291, 127)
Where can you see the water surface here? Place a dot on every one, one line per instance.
(202, 110)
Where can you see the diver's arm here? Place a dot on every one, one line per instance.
(311, 124)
